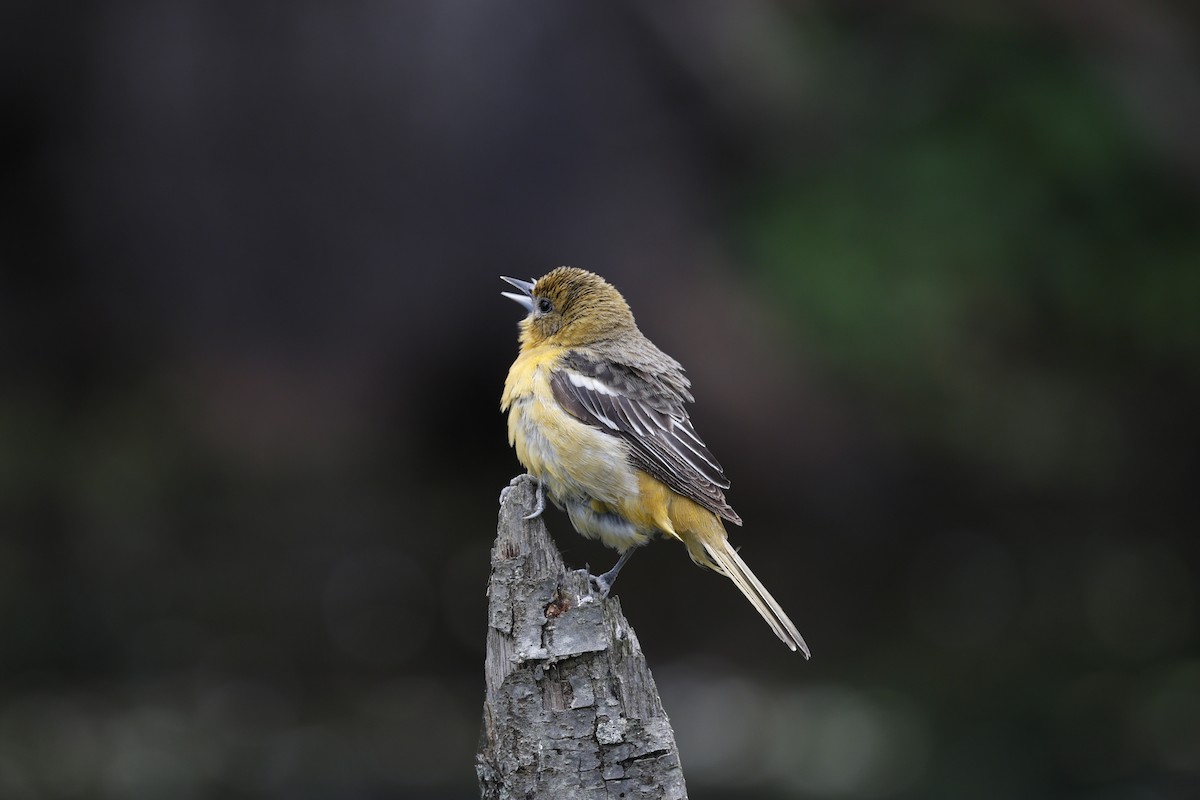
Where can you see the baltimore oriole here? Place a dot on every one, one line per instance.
(597, 415)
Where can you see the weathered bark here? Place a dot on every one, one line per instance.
(571, 709)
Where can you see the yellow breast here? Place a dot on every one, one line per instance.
(574, 460)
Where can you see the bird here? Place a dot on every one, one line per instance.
(598, 417)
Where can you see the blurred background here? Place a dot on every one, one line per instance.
(933, 268)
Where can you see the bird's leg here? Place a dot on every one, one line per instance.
(604, 583)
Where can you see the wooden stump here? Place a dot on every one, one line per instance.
(571, 710)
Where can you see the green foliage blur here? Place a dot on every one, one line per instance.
(992, 247)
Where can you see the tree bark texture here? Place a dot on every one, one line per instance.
(571, 710)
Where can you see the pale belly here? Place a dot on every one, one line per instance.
(586, 472)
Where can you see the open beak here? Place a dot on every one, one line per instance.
(526, 287)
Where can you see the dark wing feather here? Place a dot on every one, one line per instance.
(653, 420)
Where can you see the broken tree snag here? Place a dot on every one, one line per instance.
(571, 710)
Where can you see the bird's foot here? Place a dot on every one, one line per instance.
(539, 493)
(597, 587)
(515, 482)
(601, 585)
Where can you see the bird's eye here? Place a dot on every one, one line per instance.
(544, 305)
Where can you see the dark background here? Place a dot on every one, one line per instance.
(933, 268)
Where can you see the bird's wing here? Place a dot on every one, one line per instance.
(627, 403)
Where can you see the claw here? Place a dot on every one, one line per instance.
(602, 584)
(599, 586)
(539, 493)
(540, 496)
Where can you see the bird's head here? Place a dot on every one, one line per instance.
(570, 307)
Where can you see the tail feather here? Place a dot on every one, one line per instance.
(725, 560)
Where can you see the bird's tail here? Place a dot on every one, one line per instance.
(724, 559)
